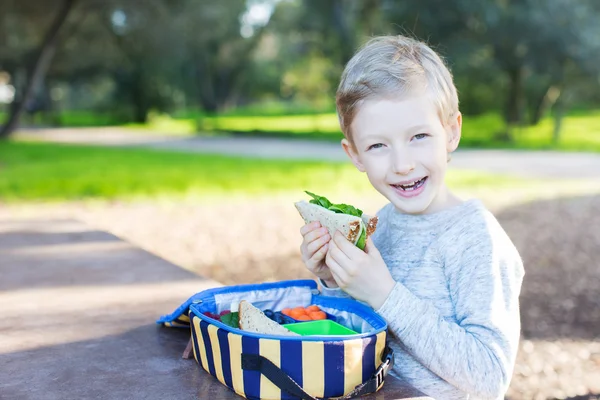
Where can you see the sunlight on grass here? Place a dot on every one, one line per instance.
(579, 132)
(82, 118)
(319, 123)
(164, 124)
(35, 171)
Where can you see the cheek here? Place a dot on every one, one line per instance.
(375, 167)
(435, 154)
(440, 167)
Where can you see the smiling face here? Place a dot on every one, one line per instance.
(403, 147)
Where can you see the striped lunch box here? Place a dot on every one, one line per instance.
(286, 367)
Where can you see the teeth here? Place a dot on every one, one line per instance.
(410, 186)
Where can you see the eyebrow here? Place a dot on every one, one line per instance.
(410, 130)
(419, 128)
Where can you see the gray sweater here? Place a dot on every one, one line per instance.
(453, 314)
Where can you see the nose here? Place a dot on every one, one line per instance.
(402, 162)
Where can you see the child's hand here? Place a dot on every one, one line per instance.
(361, 274)
(314, 248)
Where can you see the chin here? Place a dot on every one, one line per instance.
(415, 209)
(416, 206)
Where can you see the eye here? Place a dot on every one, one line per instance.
(420, 136)
(375, 146)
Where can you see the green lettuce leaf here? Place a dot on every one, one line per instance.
(338, 208)
(231, 319)
(346, 209)
(318, 200)
(362, 240)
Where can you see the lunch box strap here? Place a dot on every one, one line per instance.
(256, 362)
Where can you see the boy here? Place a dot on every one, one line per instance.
(441, 271)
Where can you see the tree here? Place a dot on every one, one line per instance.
(147, 43)
(531, 43)
(38, 67)
(218, 41)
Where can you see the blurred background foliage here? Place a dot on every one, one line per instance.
(192, 66)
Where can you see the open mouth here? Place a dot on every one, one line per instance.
(411, 186)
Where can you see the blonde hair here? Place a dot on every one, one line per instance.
(393, 66)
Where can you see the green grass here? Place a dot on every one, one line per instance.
(156, 122)
(82, 118)
(52, 172)
(272, 108)
(291, 124)
(581, 132)
(278, 108)
(164, 124)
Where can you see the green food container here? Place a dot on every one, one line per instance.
(324, 327)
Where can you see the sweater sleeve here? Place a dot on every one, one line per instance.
(333, 292)
(475, 352)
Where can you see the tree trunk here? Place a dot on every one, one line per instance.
(544, 103)
(140, 107)
(218, 84)
(205, 79)
(39, 66)
(139, 95)
(559, 112)
(537, 105)
(514, 105)
(513, 111)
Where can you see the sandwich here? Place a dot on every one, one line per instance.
(349, 220)
(254, 320)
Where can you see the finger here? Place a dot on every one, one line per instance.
(348, 248)
(338, 255)
(336, 270)
(315, 234)
(370, 247)
(337, 279)
(319, 254)
(310, 227)
(316, 244)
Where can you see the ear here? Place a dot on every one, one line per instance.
(454, 129)
(349, 149)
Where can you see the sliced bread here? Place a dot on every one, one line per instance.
(350, 225)
(254, 320)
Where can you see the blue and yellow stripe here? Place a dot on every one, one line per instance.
(182, 321)
(321, 368)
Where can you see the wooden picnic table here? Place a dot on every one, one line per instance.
(77, 312)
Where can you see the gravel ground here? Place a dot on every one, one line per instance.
(559, 239)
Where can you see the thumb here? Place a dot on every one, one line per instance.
(370, 247)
